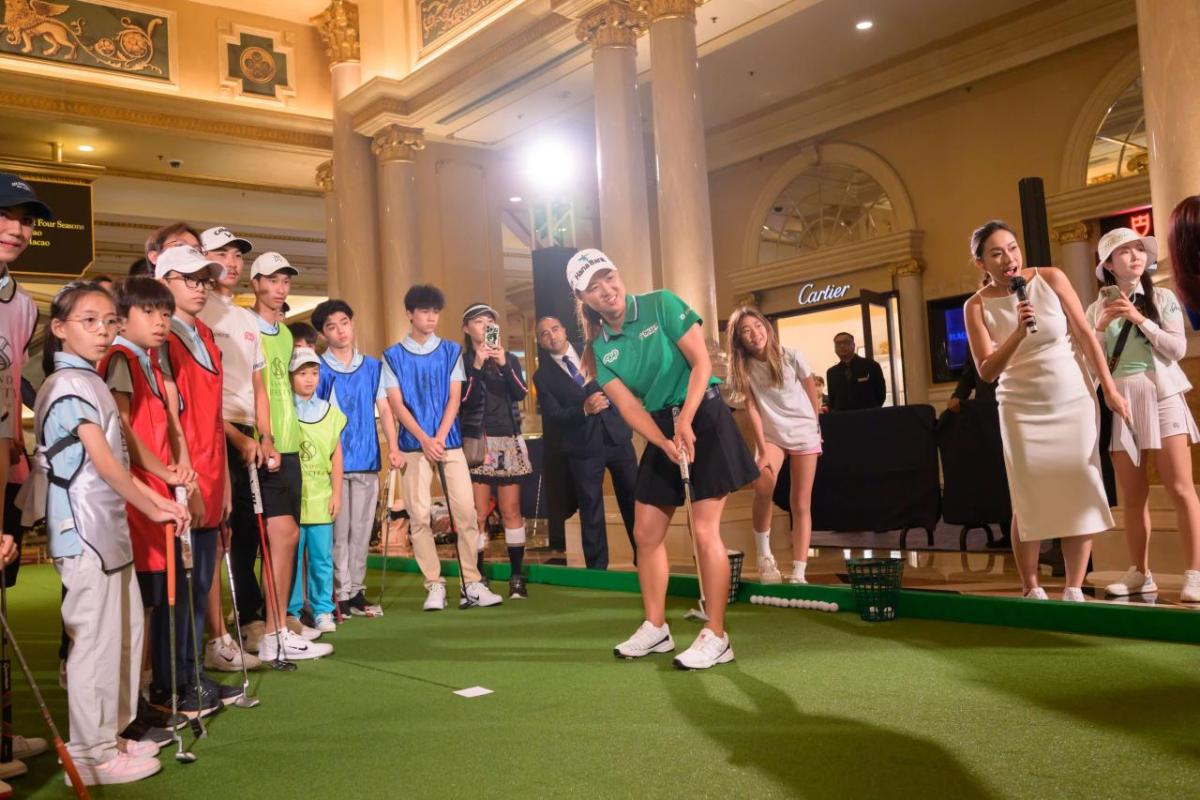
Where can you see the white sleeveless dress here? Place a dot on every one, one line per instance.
(1050, 423)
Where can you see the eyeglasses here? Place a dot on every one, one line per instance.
(192, 282)
(96, 324)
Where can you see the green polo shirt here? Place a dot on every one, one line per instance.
(643, 354)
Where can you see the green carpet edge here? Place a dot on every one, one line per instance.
(1099, 619)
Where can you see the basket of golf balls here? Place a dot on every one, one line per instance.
(793, 602)
(876, 585)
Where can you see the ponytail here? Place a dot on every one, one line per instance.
(591, 323)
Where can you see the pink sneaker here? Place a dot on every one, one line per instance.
(122, 769)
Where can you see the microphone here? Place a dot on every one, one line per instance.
(1017, 287)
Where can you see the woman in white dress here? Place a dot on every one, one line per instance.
(1049, 419)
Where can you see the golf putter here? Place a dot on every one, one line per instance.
(246, 700)
(181, 755)
(386, 523)
(6, 745)
(685, 475)
(280, 663)
(185, 555)
(464, 602)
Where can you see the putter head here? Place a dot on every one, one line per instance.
(695, 613)
(282, 666)
(185, 757)
(246, 701)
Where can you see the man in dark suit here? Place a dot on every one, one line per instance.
(855, 382)
(592, 436)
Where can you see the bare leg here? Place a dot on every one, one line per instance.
(1076, 552)
(509, 499)
(764, 488)
(804, 470)
(650, 532)
(1026, 556)
(283, 536)
(213, 618)
(714, 560)
(1135, 499)
(1175, 467)
(483, 499)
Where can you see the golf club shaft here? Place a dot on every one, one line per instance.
(267, 567)
(237, 621)
(387, 529)
(6, 748)
(685, 476)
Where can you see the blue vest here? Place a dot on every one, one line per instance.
(425, 385)
(356, 391)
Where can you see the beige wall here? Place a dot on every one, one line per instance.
(959, 155)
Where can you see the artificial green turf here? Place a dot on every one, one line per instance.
(817, 705)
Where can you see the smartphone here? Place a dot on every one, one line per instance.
(1110, 293)
(491, 335)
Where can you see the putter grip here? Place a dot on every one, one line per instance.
(255, 491)
(171, 563)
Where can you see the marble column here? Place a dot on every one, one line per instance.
(1167, 34)
(357, 259)
(325, 184)
(1077, 256)
(914, 336)
(612, 29)
(684, 216)
(395, 150)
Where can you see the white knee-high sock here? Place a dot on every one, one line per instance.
(762, 539)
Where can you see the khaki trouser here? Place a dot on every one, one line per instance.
(103, 616)
(418, 474)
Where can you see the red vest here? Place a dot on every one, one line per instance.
(148, 419)
(200, 395)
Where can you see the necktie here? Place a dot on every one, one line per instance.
(572, 371)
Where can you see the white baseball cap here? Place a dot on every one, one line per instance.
(302, 356)
(185, 260)
(1123, 236)
(584, 264)
(269, 263)
(220, 236)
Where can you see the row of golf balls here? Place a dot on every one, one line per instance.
(783, 602)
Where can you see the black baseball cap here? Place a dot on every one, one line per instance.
(16, 192)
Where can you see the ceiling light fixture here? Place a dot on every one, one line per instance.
(514, 199)
(865, 25)
(86, 148)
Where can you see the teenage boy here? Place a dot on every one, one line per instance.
(280, 477)
(356, 381)
(424, 375)
(190, 356)
(243, 397)
(303, 335)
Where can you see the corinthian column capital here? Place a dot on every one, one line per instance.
(325, 176)
(397, 143)
(614, 23)
(656, 10)
(338, 26)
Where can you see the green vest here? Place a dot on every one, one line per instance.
(318, 440)
(277, 350)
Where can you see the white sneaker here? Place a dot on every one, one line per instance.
(478, 594)
(223, 655)
(436, 599)
(27, 747)
(122, 769)
(647, 639)
(1036, 593)
(1132, 582)
(325, 623)
(707, 651)
(295, 647)
(797, 575)
(136, 748)
(1191, 587)
(1073, 595)
(768, 570)
(12, 769)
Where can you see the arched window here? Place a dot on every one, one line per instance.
(825, 206)
(1119, 149)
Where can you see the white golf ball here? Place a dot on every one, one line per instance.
(793, 603)
(780, 602)
(833, 607)
(753, 599)
(806, 603)
(822, 606)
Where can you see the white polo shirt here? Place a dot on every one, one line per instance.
(235, 330)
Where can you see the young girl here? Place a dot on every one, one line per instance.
(781, 400)
(84, 461)
(1048, 414)
(1184, 244)
(1141, 331)
(495, 384)
(648, 353)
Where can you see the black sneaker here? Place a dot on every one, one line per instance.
(306, 617)
(151, 719)
(226, 691)
(516, 587)
(358, 605)
(210, 702)
(344, 608)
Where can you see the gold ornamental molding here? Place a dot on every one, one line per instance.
(748, 299)
(200, 180)
(397, 143)
(907, 268)
(611, 24)
(657, 10)
(61, 106)
(325, 176)
(338, 26)
(1072, 232)
(254, 235)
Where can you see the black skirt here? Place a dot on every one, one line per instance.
(723, 463)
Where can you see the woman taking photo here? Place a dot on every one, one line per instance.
(1140, 327)
(782, 401)
(1048, 413)
(648, 353)
(495, 384)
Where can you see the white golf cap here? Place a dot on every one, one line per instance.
(302, 356)
(584, 264)
(220, 236)
(269, 263)
(1123, 236)
(185, 260)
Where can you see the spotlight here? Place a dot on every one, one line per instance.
(865, 25)
(549, 165)
(86, 148)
